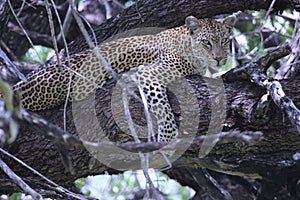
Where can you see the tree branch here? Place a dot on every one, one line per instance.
(268, 153)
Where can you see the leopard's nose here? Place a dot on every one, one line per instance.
(218, 54)
(218, 58)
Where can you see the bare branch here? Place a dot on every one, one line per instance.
(62, 190)
(24, 31)
(290, 67)
(284, 103)
(17, 180)
(256, 71)
(258, 67)
(66, 25)
(11, 67)
(52, 31)
(52, 132)
(223, 137)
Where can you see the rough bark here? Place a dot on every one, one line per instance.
(168, 14)
(146, 13)
(272, 158)
(33, 17)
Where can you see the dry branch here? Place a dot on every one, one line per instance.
(269, 155)
(237, 89)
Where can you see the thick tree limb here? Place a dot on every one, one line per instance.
(254, 69)
(242, 95)
(170, 14)
(270, 157)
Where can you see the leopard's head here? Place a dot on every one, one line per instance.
(210, 40)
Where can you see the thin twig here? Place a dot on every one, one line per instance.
(52, 32)
(264, 22)
(64, 190)
(12, 67)
(66, 25)
(22, 7)
(89, 41)
(51, 131)
(128, 116)
(147, 114)
(249, 137)
(118, 4)
(107, 9)
(24, 31)
(258, 67)
(54, 41)
(62, 35)
(18, 181)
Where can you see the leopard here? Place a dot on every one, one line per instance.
(198, 46)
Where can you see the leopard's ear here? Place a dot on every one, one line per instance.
(229, 22)
(192, 24)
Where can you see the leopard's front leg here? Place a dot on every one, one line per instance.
(153, 79)
(159, 105)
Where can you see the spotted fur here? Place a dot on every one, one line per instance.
(160, 59)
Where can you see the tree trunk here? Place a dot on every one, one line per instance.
(270, 154)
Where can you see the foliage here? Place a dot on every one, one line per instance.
(253, 42)
(251, 45)
(129, 3)
(122, 186)
(38, 55)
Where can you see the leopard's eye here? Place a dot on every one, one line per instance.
(224, 41)
(206, 43)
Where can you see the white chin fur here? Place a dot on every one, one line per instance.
(214, 69)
